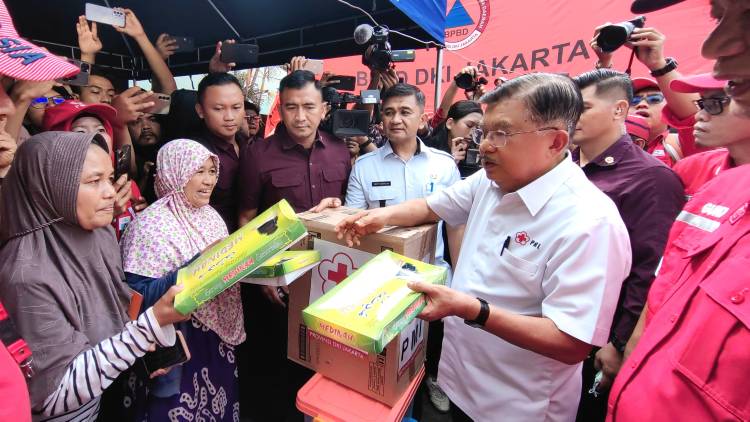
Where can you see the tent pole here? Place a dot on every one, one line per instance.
(438, 77)
(221, 15)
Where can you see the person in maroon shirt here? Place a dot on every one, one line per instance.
(221, 106)
(303, 165)
(648, 195)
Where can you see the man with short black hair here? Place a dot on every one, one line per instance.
(221, 106)
(303, 165)
(648, 196)
(542, 259)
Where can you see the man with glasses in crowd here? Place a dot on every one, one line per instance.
(718, 125)
(250, 127)
(648, 196)
(541, 264)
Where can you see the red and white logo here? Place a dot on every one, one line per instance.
(333, 271)
(465, 23)
(522, 238)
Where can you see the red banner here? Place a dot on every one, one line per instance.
(512, 38)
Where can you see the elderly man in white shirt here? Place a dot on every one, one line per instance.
(541, 265)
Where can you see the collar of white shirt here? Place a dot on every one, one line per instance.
(387, 149)
(536, 194)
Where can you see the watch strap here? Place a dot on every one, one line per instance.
(670, 66)
(484, 314)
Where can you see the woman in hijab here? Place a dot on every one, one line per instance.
(164, 237)
(61, 276)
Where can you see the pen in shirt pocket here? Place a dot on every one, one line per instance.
(505, 245)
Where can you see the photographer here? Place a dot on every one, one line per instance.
(454, 136)
(474, 93)
(653, 99)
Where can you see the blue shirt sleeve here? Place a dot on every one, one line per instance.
(150, 288)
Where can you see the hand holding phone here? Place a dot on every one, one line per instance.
(239, 53)
(162, 359)
(106, 15)
(314, 66)
(122, 161)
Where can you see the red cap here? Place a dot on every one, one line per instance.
(642, 83)
(61, 117)
(23, 60)
(646, 6)
(637, 126)
(697, 83)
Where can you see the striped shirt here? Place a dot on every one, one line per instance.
(76, 398)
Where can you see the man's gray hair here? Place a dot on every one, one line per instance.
(549, 97)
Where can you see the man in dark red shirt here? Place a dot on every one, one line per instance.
(648, 196)
(718, 124)
(221, 106)
(303, 165)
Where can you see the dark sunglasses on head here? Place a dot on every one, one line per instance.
(651, 99)
(714, 105)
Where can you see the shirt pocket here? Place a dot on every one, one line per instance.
(288, 185)
(518, 277)
(334, 180)
(714, 357)
(376, 194)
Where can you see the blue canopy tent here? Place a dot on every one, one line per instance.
(281, 28)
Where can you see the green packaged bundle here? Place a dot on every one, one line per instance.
(284, 268)
(370, 307)
(273, 231)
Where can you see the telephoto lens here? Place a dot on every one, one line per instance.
(612, 37)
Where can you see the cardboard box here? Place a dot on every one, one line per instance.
(224, 264)
(371, 307)
(385, 376)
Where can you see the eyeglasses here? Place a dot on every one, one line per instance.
(713, 106)
(499, 138)
(252, 118)
(44, 102)
(651, 99)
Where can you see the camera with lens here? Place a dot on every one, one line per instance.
(468, 82)
(472, 159)
(345, 123)
(612, 37)
(378, 55)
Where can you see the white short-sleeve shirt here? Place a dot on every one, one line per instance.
(566, 259)
(381, 178)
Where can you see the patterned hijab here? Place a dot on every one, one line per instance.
(171, 231)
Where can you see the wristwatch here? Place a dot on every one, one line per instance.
(481, 319)
(670, 66)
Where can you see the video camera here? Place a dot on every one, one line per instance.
(468, 82)
(345, 123)
(612, 37)
(378, 55)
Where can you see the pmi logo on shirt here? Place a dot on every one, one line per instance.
(713, 210)
(523, 238)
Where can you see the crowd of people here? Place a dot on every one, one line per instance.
(594, 228)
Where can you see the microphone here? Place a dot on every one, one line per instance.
(363, 33)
